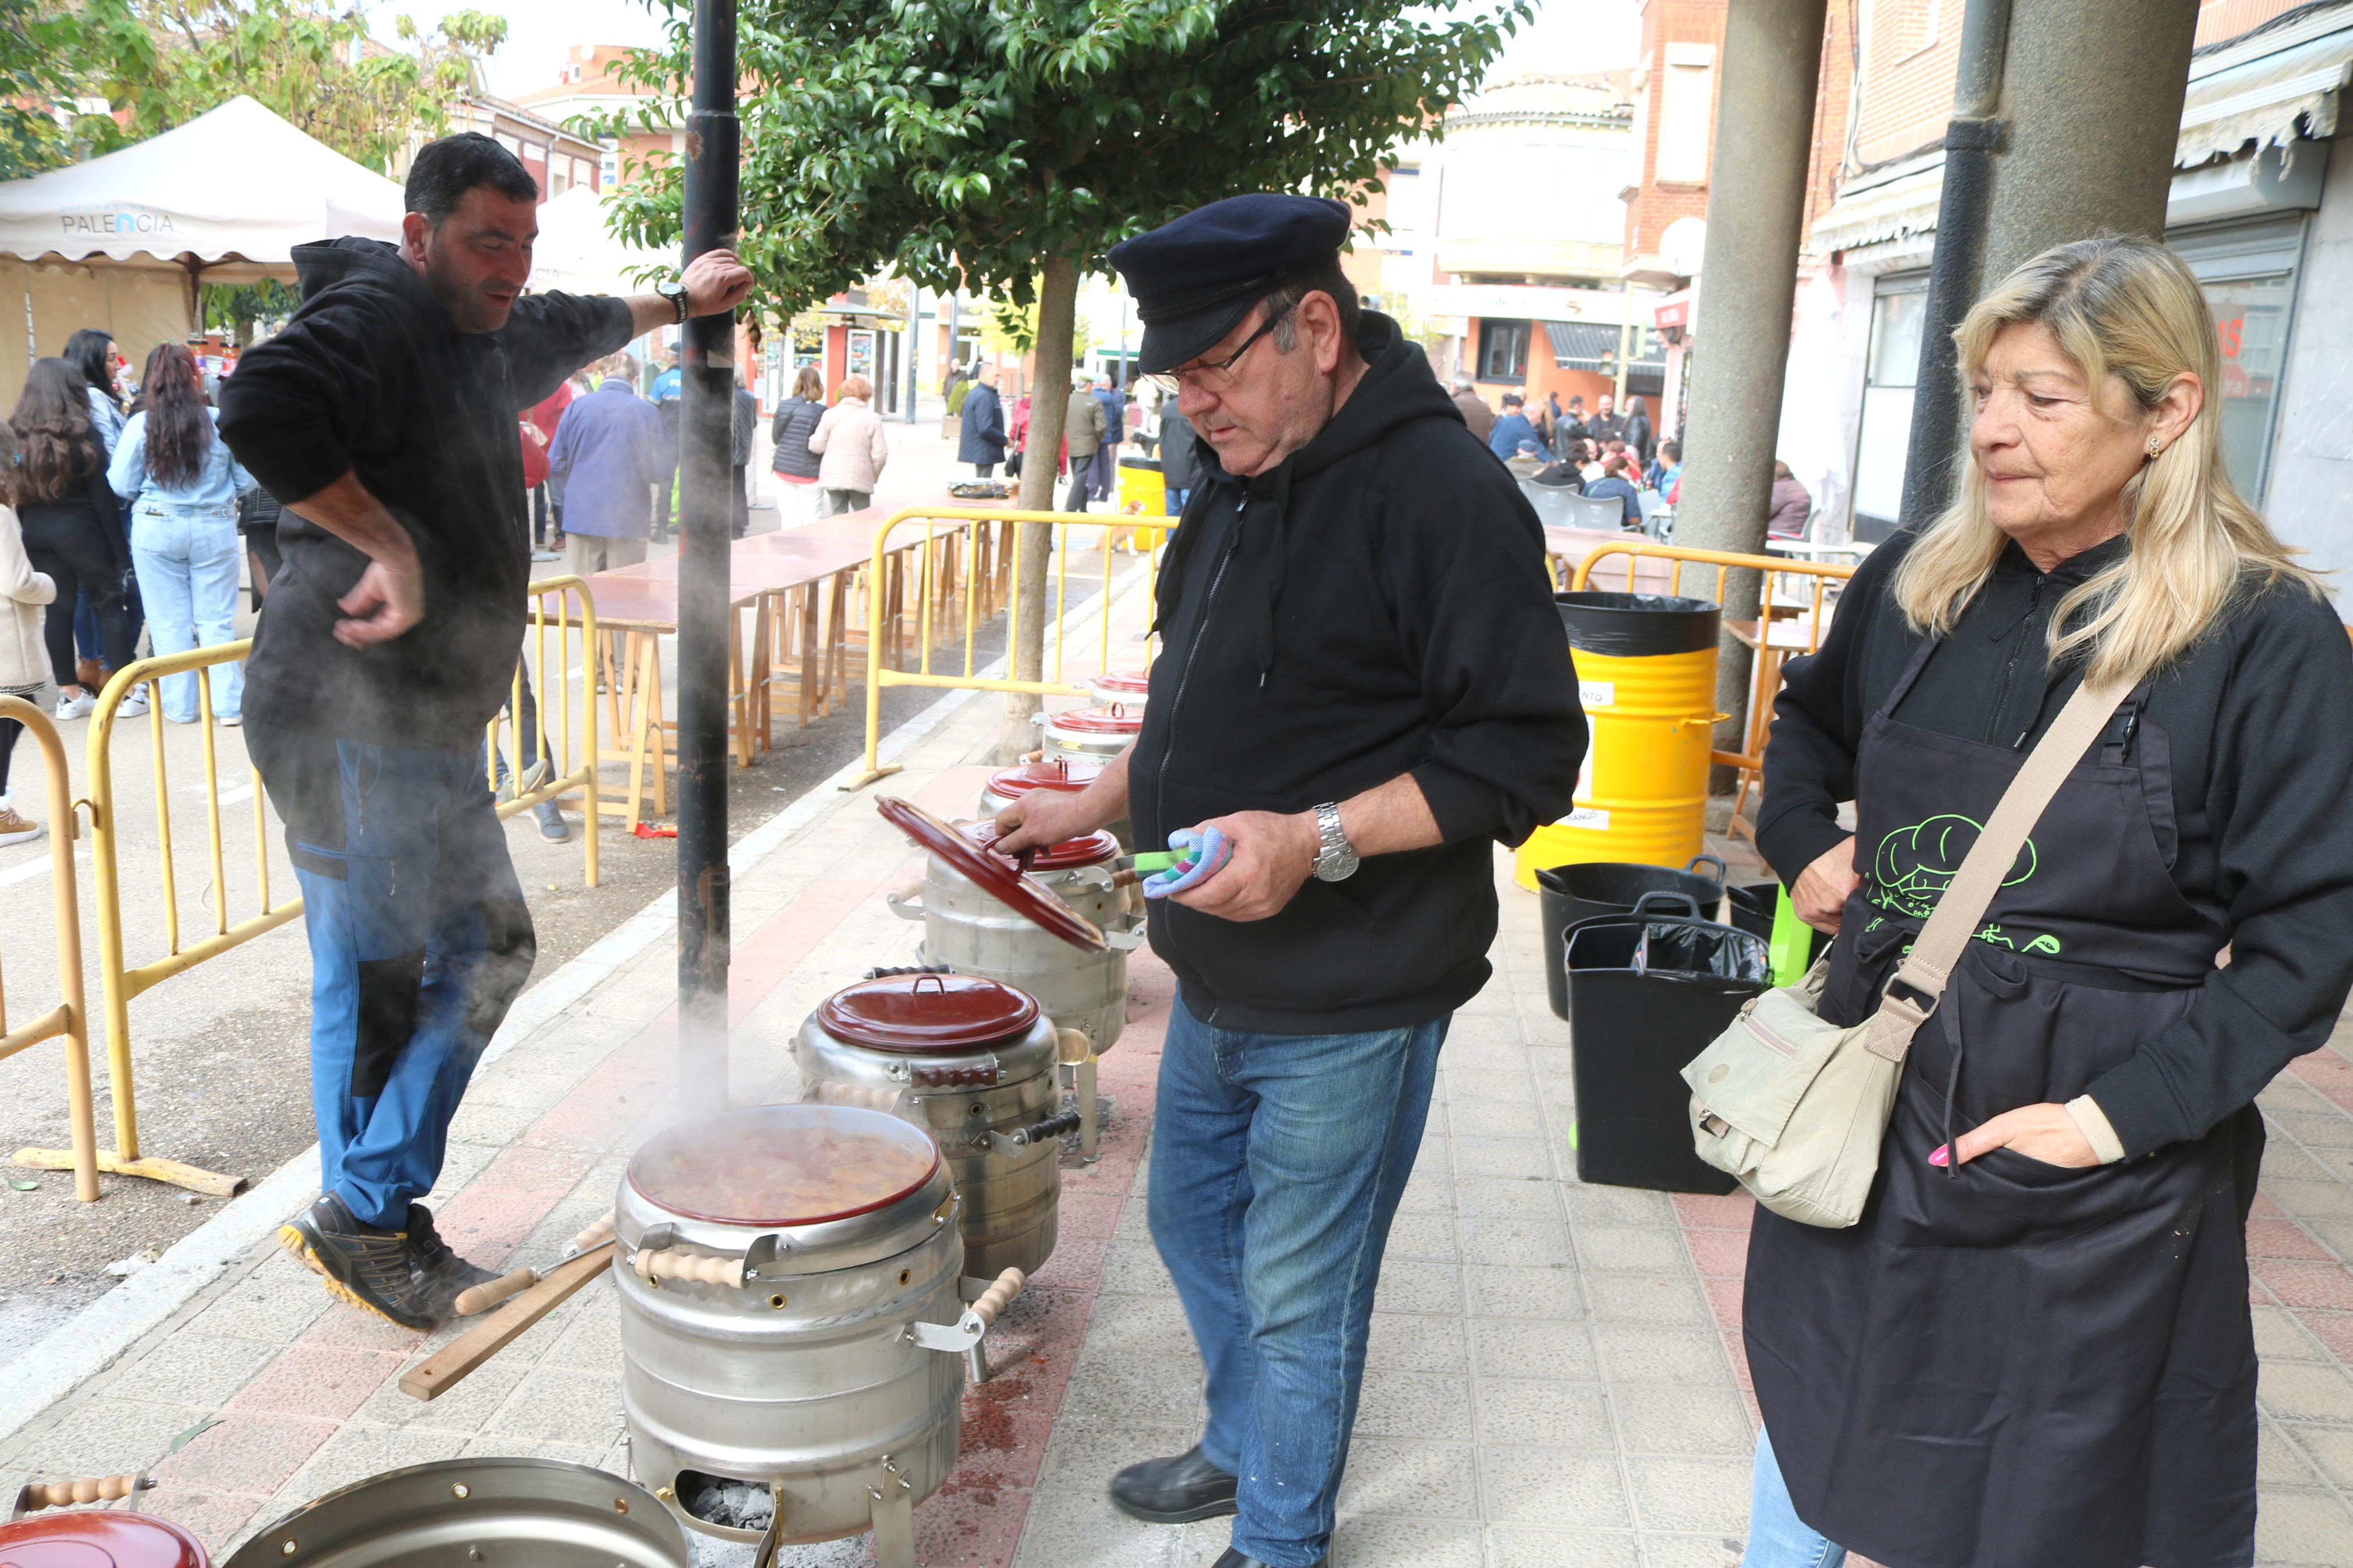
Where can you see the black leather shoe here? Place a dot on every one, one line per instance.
(443, 1274)
(1233, 1559)
(1173, 1491)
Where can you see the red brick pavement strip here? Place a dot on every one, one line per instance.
(1716, 1229)
(975, 1520)
(221, 1477)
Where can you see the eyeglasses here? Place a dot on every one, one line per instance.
(1219, 375)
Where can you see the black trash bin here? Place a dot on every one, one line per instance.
(1582, 892)
(1753, 907)
(1647, 993)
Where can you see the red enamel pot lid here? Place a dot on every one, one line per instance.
(1122, 683)
(1094, 849)
(993, 873)
(105, 1537)
(927, 1015)
(1112, 720)
(1062, 775)
(783, 1164)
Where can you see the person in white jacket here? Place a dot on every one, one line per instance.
(849, 441)
(24, 659)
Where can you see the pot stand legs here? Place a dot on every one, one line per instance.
(771, 1539)
(894, 1518)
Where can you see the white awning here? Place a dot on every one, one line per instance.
(237, 184)
(1886, 204)
(2268, 99)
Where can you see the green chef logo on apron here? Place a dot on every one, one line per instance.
(1914, 865)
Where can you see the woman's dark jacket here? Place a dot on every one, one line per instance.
(981, 437)
(89, 502)
(1180, 449)
(794, 422)
(2254, 729)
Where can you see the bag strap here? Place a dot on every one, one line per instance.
(1912, 995)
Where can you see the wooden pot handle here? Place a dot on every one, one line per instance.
(998, 1295)
(483, 1297)
(692, 1267)
(39, 1495)
(597, 1235)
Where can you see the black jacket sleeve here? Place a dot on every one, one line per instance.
(1818, 723)
(302, 402)
(1473, 601)
(2276, 806)
(549, 336)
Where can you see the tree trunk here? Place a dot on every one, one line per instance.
(1058, 298)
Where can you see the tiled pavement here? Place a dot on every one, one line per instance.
(1555, 1379)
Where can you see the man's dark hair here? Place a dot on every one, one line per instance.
(1513, 399)
(1327, 278)
(444, 171)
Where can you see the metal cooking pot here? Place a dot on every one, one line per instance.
(1132, 689)
(1061, 774)
(106, 1537)
(971, 930)
(792, 1278)
(973, 1061)
(546, 1512)
(1090, 734)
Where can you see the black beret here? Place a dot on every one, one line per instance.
(1194, 277)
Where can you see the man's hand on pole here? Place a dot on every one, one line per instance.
(716, 281)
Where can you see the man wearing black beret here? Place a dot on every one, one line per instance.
(1363, 684)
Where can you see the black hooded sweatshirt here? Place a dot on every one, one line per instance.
(372, 377)
(1376, 605)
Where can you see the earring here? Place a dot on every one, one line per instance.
(2155, 447)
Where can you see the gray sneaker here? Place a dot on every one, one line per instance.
(374, 1269)
(552, 826)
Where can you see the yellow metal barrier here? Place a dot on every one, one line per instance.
(1789, 624)
(966, 528)
(69, 1019)
(570, 768)
(120, 982)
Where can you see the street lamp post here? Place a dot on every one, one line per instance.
(706, 505)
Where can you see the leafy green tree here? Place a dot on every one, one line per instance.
(161, 63)
(37, 42)
(1004, 145)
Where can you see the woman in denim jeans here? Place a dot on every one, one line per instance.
(181, 483)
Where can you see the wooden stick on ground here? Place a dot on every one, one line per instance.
(442, 1370)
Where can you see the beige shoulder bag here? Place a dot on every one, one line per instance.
(1795, 1108)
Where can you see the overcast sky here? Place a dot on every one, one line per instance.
(1567, 36)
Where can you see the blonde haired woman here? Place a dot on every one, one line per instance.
(2035, 1350)
(850, 440)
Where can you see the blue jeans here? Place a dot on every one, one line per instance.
(1176, 500)
(420, 941)
(1277, 1164)
(1778, 1538)
(186, 562)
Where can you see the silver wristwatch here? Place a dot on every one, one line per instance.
(674, 291)
(1335, 859)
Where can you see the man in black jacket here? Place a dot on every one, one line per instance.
(1363, 686)
(389, 638)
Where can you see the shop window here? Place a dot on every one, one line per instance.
(1898, 312)
(1503, 351)
(1686, 107)
(2248, 272)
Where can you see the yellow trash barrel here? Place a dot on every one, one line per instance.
(1142, 490)
(1646, 677)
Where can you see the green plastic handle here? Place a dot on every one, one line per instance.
(1156, 860)
(1793, 942)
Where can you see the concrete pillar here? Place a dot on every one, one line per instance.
(2091, 90)
(1748, 290)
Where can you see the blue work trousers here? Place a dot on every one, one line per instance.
(420, 941)
(1277, 1164)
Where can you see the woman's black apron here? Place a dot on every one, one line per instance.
(2012, 1364)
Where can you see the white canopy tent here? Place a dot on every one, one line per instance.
(121, 242)
(577, 254)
